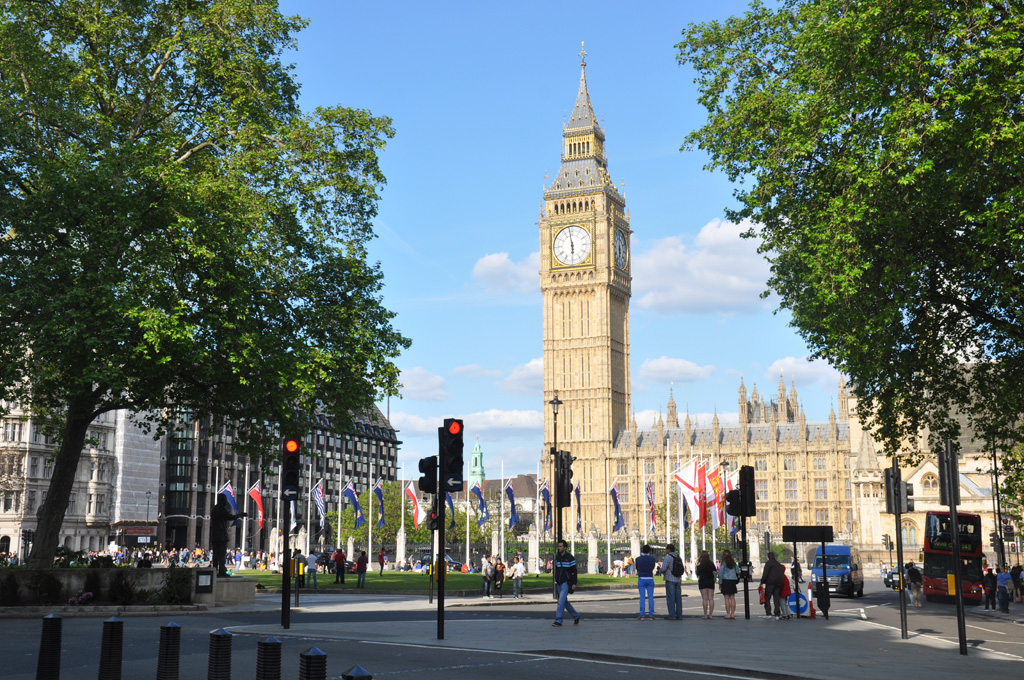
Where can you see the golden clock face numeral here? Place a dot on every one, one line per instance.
(572, 245)
(621, 252)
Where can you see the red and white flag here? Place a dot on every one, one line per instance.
(417, 511)
(714, 496)
(693, 481)
(257, 498)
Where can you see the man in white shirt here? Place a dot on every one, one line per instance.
(311, 569)
(518, 570)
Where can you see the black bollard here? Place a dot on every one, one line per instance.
(169, 657)
(219, 666)
(111, 649)
(357, 672)
(313, 665)
(48, 666)
(268, 659)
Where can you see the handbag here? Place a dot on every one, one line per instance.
(760, 592)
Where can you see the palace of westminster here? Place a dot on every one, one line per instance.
(132, 489)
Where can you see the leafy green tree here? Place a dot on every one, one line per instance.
(178, 231)
(878, 150)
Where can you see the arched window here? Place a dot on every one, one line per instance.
(930, 483)
(909, 531)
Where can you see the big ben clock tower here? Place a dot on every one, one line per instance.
(585, 284)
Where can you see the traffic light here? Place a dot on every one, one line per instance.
(733, 503)
(563, 470)
(434, 516)
(993, 537)
(450, 443)
(949, 476)
(290, 467)
(891, 496)
(906, 497)
(428, 474)
(748, 495)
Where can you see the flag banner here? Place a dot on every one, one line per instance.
(702, 494)
(513, 516)
(545, 492)
(378, 491)
(318, 500)
(257, 498)
(619, 521)
(692, 488)
(484, 515)
(714, 496)
(417, 511)
(579, 513)
(295, 518)
(650, 505)
(229, 492)
(451, 509)
(350, 494)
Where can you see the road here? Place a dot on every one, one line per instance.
(396, 636)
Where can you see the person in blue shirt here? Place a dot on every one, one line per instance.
(1003, 584)
(645, 581)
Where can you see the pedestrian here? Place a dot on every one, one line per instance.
(565, 583)
(672, 572)
(916, 583)
(771, 578)
(1004, 582)
(499, 575)
(487, 572)
(361, 569)
(728, 577)
(798, 574)
(1015, 573)
(706, 574)
(517, 573)
(339, 566)
(381, 560)
(645, 581)
(989, 586)
(311, 568)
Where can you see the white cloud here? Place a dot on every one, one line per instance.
(804, 372)
(721, 272)
(476, 371)
(498, 273)
(497, 423)
(419, 383)
(666, 369)
(409, 424)
(526, 379)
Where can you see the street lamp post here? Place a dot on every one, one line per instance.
(555, 403)
(149, 493)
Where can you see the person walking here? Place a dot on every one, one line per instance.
(672, 572)
(299, 568)
(339, 566)
(728, 577)
(771, 579)
(499, 576)
(518, 570)
(565, 582)
(361, 569)
(1004, 582)
(311, 568)
(706, 574)
(989, 586)
(916, 584)
(382, 560)
(645, 581)
(487, 572)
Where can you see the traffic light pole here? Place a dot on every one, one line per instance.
(953, 475)
(440, 566)
(286, 569)
(894, 494)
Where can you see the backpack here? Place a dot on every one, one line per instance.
(677, 566)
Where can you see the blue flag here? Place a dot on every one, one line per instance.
(318, 499)
(350, 494)
(484, 515)
(379, 492)
(513, 516)
(451, 509)
(229, 493)
(545, 492)
(620, 521)
(579, 514)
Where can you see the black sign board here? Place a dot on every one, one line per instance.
(807, 534)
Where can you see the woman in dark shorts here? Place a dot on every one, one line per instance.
(706, 573)
(728, 577)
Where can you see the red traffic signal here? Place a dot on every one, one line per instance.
(454, 426)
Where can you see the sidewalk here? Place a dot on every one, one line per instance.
(847, 646)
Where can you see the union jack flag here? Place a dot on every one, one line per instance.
(650, 505)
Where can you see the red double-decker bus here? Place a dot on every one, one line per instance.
(938, 556)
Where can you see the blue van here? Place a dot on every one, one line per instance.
(843, 570)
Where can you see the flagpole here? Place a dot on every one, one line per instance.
(693, 527)
(608, 515)
(572, 516)
(465, 498)
(341, 493)
(714, 540)
(643, 477)
(369, 540)
(668, 496)
(501, 514)
(309, 501)
(245, 506)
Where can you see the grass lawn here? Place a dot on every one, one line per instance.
(394, 580)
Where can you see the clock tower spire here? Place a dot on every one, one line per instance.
(585, 283)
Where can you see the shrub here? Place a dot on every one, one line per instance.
(10, 595)
(177, 589)
(122, 588)
(83, 598)
(93, 584)
(45, 587)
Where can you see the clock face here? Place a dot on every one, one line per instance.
(572, 245)
(620, 249)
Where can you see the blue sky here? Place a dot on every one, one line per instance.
(478, 93)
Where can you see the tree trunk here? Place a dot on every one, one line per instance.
(65, 467)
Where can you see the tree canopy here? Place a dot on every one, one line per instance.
(878, 150)
(178, 232)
